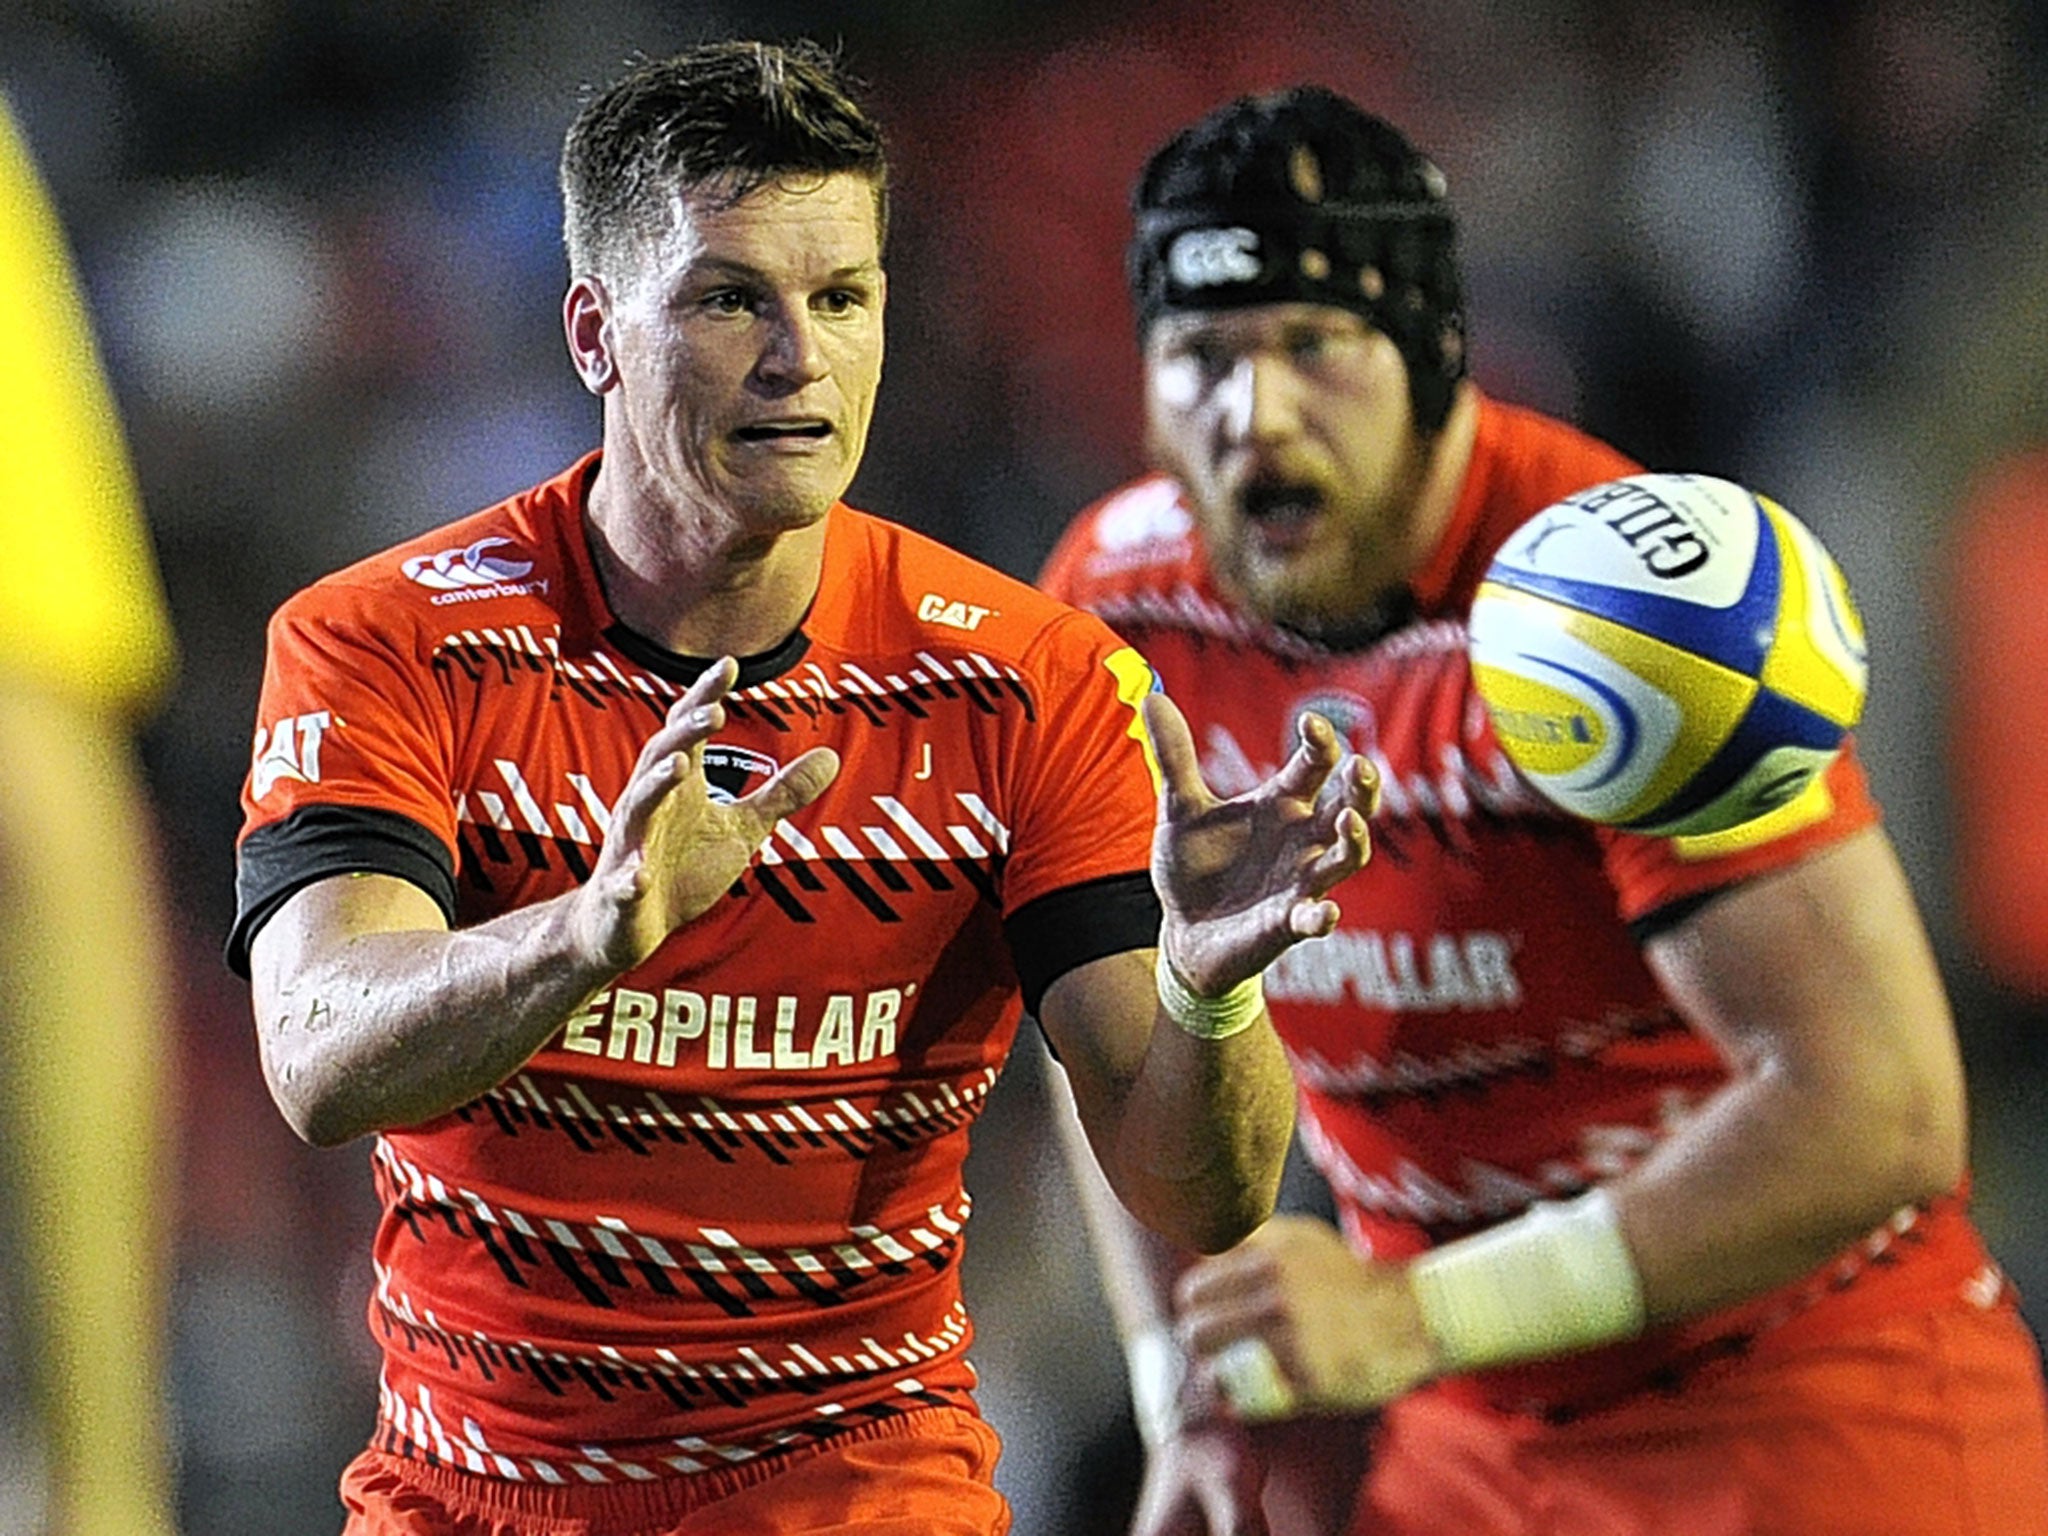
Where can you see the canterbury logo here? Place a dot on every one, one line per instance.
(472, 567)
(1209, 258)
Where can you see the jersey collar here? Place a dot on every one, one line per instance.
(671, 666)
(1437, 584)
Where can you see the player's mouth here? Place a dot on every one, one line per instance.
(785, 431)
(1279, 517)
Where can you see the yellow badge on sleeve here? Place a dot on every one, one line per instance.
(1134, 679)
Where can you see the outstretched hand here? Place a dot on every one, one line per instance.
(672, 849)
(1243, 879)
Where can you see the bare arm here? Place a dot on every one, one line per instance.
(1205, 1473)
(1188, 1135)
(1192, 1132)
(1819, 984)
(81, 951)
(372, 1015)
(1847, 1102)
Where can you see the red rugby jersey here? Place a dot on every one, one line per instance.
(1481, 1030)
(721, 1211)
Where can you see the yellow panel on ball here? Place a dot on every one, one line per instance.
(1607, 720)
(1544, 729)
(1814, 661)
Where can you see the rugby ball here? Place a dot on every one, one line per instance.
(1668, 653)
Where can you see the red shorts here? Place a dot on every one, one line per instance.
(1931, 1425)
(928, 1473)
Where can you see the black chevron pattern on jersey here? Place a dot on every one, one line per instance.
(516, 653)
(400, 1434)
(506, 828)
(601, 1259)
(777, 1132)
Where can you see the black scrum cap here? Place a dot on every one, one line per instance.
(1302, 196)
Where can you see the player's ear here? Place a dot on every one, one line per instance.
(586, 323)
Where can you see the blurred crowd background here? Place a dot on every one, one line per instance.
(1802, 246)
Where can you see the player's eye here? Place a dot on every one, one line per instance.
(1308, 346)
(1208, 355)
(724, 301)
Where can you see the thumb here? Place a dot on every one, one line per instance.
(1173, 744)
(794, 786)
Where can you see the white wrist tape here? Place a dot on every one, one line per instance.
(1251, 1378)
(1556, 1279)
(1158, 1369)
(1208, 1018)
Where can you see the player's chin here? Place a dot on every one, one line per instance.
(1290, 590)
(785, 503)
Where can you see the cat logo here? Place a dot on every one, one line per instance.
(289, 750)
(934, 609)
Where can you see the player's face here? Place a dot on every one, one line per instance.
(747, 351)
(1291, 429)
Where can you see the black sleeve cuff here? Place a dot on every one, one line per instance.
(1079, 923)
(312, 843)
(1661, 920)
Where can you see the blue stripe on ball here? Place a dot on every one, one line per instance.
(1771, 720)
(1736, 637)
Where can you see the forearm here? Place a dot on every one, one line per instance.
(1847, 1101)
(1765, 1184)
(1203, 1136)
(371, 1015)
(1191, 1133)
(1137, 1269)
(86, 1092)
(1769, 1180)
(1137, 1266)
(392, 1028)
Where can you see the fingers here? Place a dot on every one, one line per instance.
(1232, 1312)
(1302, 775)
(1368, 786)
(651, 781)
(1174, 745)
(1226, 1297)
(1313, 919)
(692, 718)
(1249, 1373)
(1349, 848)
(1349, 851)
(712, 684)
(667, 754)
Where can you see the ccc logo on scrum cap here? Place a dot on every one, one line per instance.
(1210, 258)
(471, 567)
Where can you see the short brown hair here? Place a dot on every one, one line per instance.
(731, 115)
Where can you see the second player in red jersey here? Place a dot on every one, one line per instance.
(1646, 1152)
